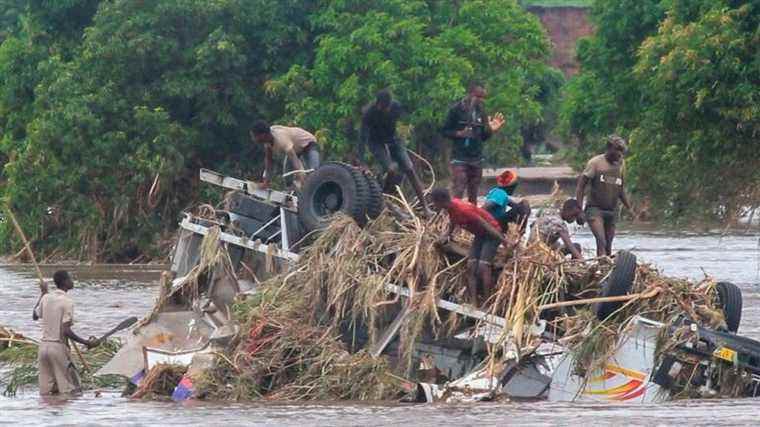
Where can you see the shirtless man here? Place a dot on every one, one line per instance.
(606, 175)
(56, 311)
(298, 145)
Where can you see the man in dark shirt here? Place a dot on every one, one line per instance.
(378, 131)
(468, 126)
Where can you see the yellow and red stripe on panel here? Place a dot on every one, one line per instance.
(634, 385)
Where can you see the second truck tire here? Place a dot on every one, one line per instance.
(619, 282)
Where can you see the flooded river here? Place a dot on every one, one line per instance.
(106, 296)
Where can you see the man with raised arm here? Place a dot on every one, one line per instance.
(468, 126)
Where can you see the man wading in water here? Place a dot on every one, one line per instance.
(606, 173)
(56, 310)
(484, 228)
(378, 131)
(468, 126)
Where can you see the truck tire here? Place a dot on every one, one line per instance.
(375, 202)
(362, 190)
(619, 282)
(730, 299)
(332, 188)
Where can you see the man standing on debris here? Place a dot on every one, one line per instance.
(56, 309)
(298, 145)
(606, 174)
(378, 131)
(484, 228)
(551, 228)
(468, 126)
(503, 207)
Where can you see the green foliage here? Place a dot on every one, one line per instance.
(108, 108)
(154, 89)
(681, 78)
(557, 3)
(10, 17)
(427, 52)
(604, 97)
(702, 125)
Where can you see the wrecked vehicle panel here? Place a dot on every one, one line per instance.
(626, 376)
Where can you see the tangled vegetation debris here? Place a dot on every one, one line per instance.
(307, 333)
(300, 328)
(18, 360)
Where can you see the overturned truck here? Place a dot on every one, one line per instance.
(269, 289)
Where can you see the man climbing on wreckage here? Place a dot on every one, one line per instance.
(551, 228)
(606, 175)
(298, 145)
(501, 204)
(56, 312)
(487, 238)
(468, 126)
(378, 131)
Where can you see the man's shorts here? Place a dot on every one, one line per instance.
(467, 171)
(593, 212)
(393, 152)
(484, 248)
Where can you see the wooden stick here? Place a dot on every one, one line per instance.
(643, 295)
(81, 358)
(28, 248)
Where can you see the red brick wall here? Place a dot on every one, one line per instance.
(565, 25)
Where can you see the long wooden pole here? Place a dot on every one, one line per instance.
(43, 285)
(648, 294)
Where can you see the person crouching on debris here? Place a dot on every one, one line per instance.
(378, 132)
(551, 228)
(298, 145)
(606, 173)
(503, 207)
(56, 311)
(487, 238)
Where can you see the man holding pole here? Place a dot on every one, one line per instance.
(56, 311)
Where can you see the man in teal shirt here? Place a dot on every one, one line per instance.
(502, 206)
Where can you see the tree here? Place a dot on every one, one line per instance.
(427, 52)
(681, 79)
(696, 143)
(155, 89)
(605, 97)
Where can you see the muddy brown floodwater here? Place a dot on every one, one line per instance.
(106, 295)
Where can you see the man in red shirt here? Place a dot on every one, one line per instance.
(487, 239)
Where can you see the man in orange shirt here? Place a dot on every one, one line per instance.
(484, 228)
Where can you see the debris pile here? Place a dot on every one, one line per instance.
(318, 331)
(306, 332)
